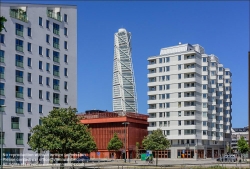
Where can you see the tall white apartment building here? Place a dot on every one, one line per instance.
(124, 93)
(38, 69)
(189, 98)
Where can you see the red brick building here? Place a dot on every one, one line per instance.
(104, 124)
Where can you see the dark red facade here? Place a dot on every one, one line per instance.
(103, 125)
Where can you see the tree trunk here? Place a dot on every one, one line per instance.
(62, 162)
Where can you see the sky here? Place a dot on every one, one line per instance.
(222, 28)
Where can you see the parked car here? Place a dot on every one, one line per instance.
(81, 159)
(227, 158)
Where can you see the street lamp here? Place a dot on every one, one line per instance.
(1, 106)
(125, 136)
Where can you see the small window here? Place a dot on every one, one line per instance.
(40, 108)
(29, 108)
(179, 113)
(65, 18)
(29, 62)
(40, 79)
(40, 21)
(66, 85)
(47, 52)
(40, 50)
(204, 59)
(29, 77)
(29, 92)
(1, 38)
(66, 31)
(179, 57)
(65, 72)
(40, 65)
(29, 47)
(47, 95)
(40, 94)
(65, 99)
(66, 58)
(29, 32)
(179, 76)
(179, 85)
(47, 24)
(47, 81)
(47, 67)
(47, 38)
(65, 45)
(29, 122)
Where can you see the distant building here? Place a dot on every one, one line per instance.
(237, 133)
(189, 98)
(104, 124)
(124, 92)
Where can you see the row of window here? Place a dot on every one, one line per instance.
(19, 137)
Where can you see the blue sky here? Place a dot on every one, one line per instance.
(222, 28)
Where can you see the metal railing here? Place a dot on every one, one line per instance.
(18, 15)
(56, 87)
(56, 59)
(56, 73)
(19, 32)
(56, 45)
(19, 94)
(19, 141)
(15, 125)
(19, 48)
(19, 110)
(2, 59)
(1, 75)
(54, 15)
(19, 64)
(1, 93)
(19, 79)
(56, 101)
(56, 31)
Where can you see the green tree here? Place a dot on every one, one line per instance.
(155, 142)
(62, 132)
(243, 147)
(2, 20)
(115, 144)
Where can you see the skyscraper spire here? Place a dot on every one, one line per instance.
(124, 92)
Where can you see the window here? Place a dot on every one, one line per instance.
(204, 68)
(40, 21)
(47, 81)
(47, 67)
(19, 61)
(66, 85)
(56, 70)
(56, 56)
(19, 29)
(65, 18)
(55, 42)
(29, 135)
(29, 122)
(179, 113)
(204, 105)
(179, 57)
(19, 45)
(14, 122)
(179, 67)
(66, 58)
(40, 50)
(47, 24)
(40, 79)
(65, 72)
(56, 84)
(65, 31)
(40, 108)
(56, 28)
(204, 87)
(29, 32)
(204, 59)
(29, 107)
(29, 77)
(179, 122)
(65, 99)
(204, 77)
(19, 107)
(40, 94)
(179, 85)
(1, 38)
(204, 96)
(47, 38)
(29, 92)
(56, 97)
(40, 65)
(47, 95)
(19, 138)
(29, 47)
(65, 45)
(179, 132)
(179, 76)
(47, 52)
(19, 76)
(1, 72)
(179, 95)
(2, 56)
(220, 69)
(1, 92)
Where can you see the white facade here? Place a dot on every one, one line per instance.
(237, 133)
(124, 93)
(33, 81)
(189, 98)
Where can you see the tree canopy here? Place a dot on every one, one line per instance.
(155, 141)
(62, 132)
(115, 143)
(2, 20)
(243, 147)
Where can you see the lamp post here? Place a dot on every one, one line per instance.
(125, 136)
(1, 106)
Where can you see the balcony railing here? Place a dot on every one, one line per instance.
(19, 48)
(56, 73)
(56, 101)
(19, 79)
(19, 64)
(2, 92)
(54, 15)
(2, 109)
(18, 15)
(2, 59)
(19, 141)
(56, 87)
(56, 45)
(56, 31)
(15, 125)
(19, 95)
(19, 32)
(19, 110)
(56, 59)
(1, 75)
(1, 140)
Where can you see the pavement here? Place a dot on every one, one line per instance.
(137, 163)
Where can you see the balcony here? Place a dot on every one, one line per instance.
(19, 64)
(19, 79)
(1, 140)
(56, 101)
(19, 14)
(56, 73)
(56, 45)
(56, 87)
(56, 59)
(19, 110)
(54, 15)
(2, 109)
(1, 59)
(19, 32)
(15, 125)
(19, 141)
(2, 92)
(19, 48)
(1, 75)
(19, 95)
(56, 31)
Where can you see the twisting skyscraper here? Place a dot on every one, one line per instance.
(124, 93)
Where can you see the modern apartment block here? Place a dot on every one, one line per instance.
(38, 67)
(189, 98)
(124, 92)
